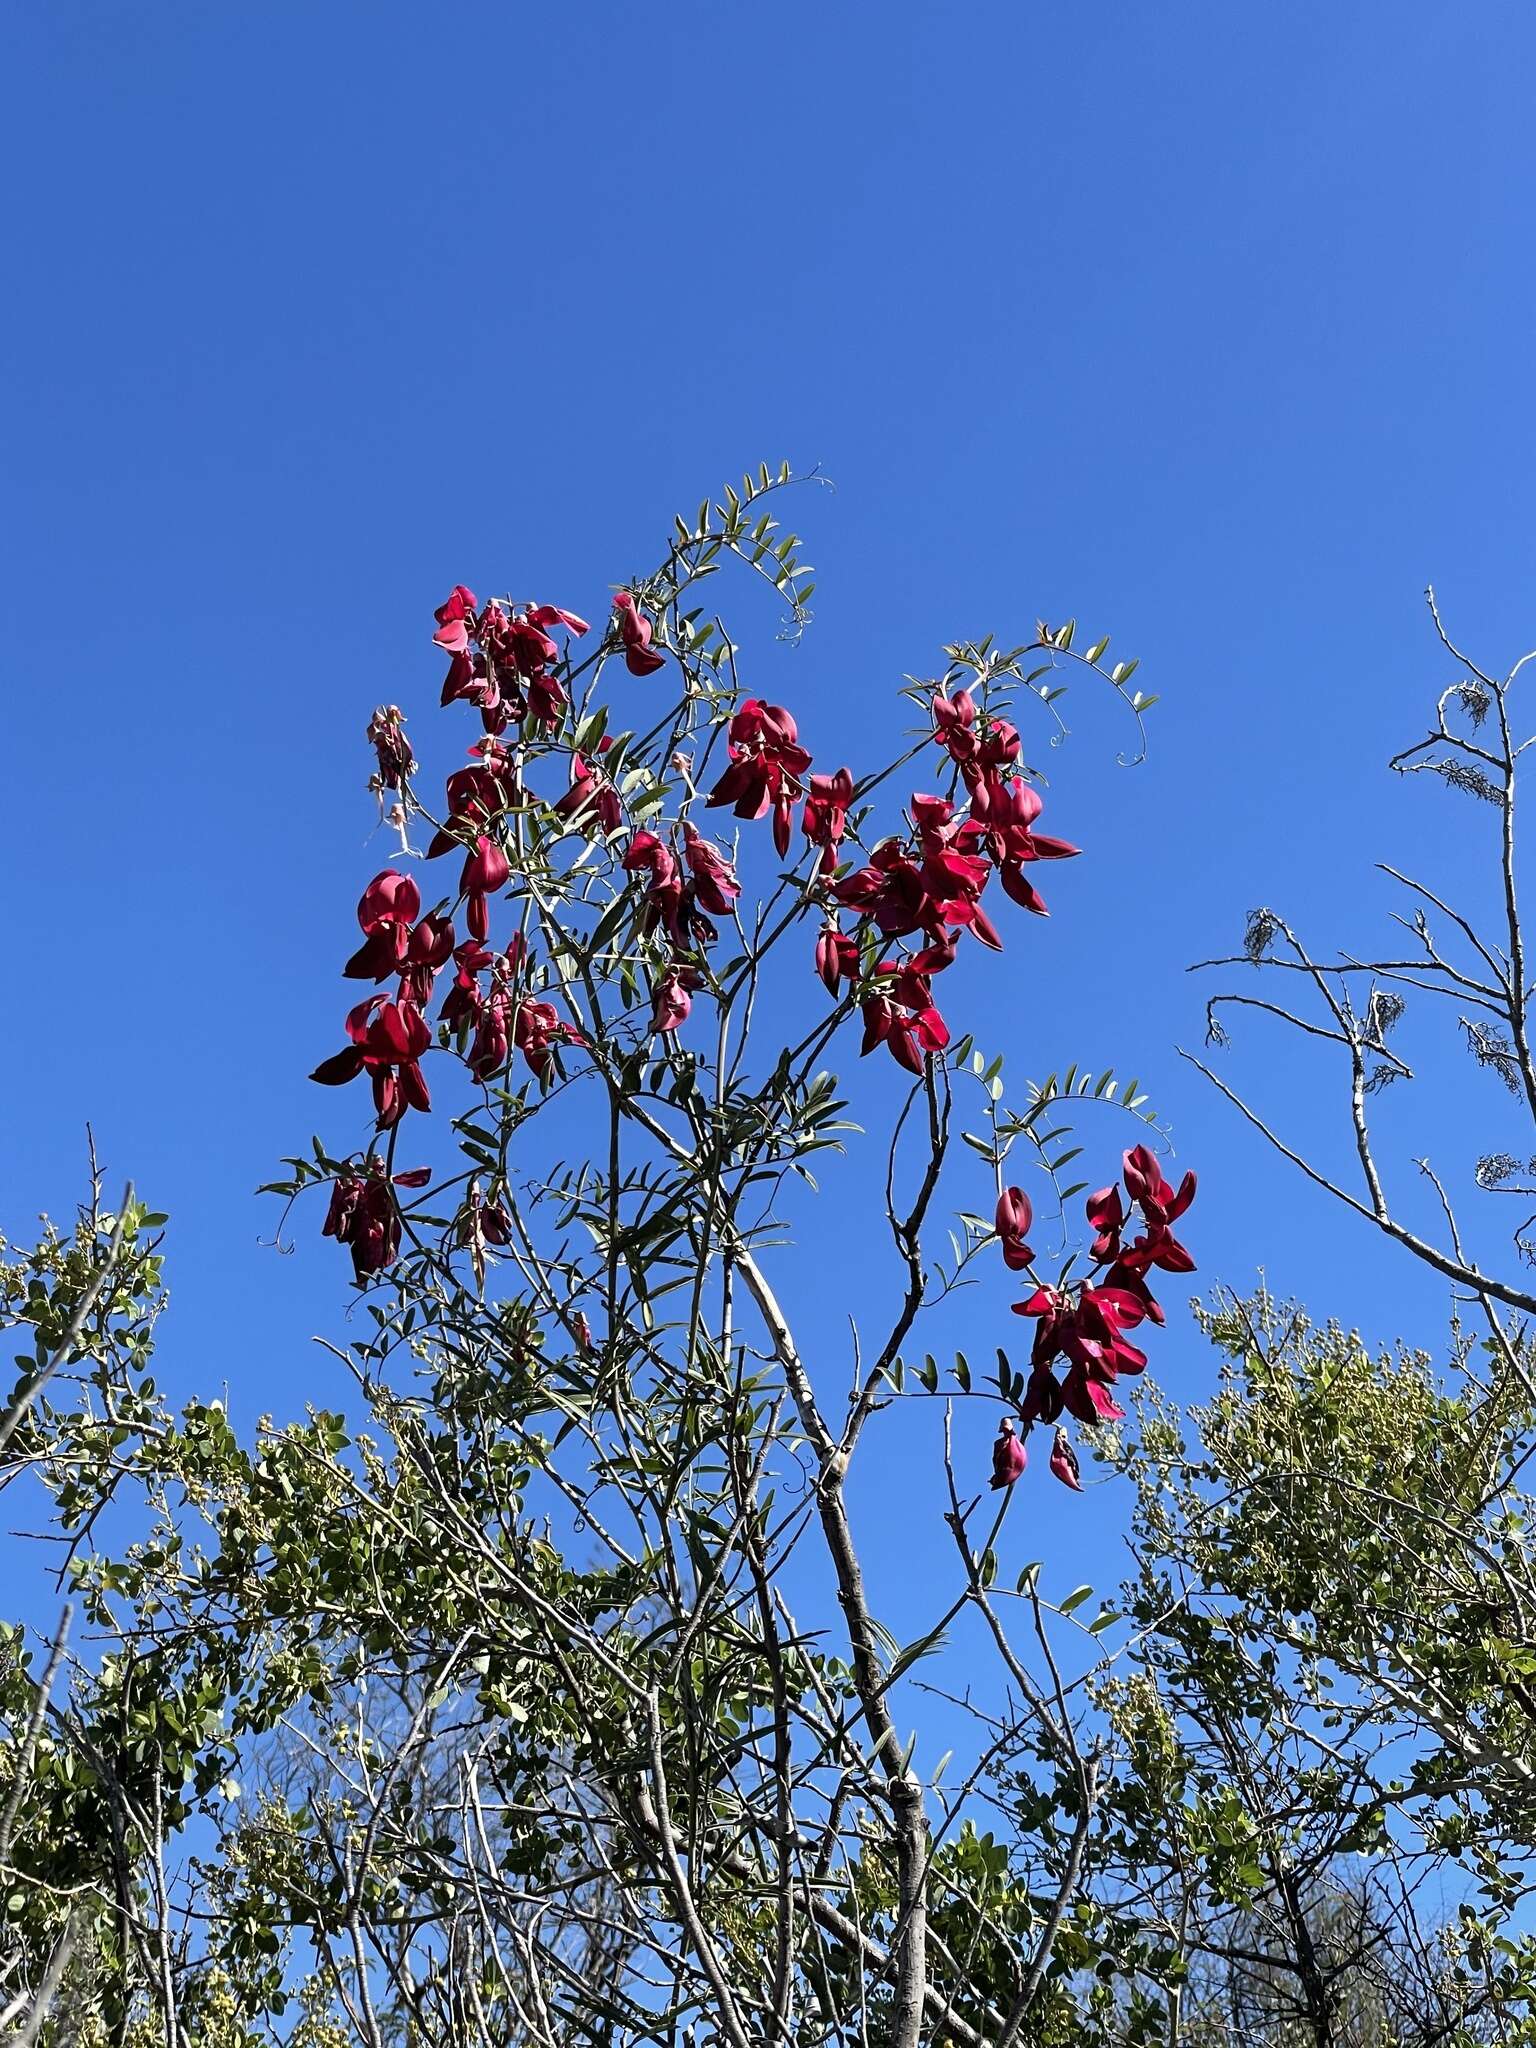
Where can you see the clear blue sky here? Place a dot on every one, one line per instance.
(1208, 324)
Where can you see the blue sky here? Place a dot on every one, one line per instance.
(1208, 325)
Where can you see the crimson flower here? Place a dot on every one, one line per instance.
(477, 796)
(1014, 1216)
(387, 909)
(481, 1222)
(837, 958)
(714, 879)
(1009, 1456)
(491, 1046)
(463, 1003)
(648, 855)
(388, 1047)
(1064, 1465)
(455, 620)
(486, 868)
(635, 630)
(537, 1028)
(1154, 1197)
(1010, 813)
(672, 997)
(767, 762)
(825, 817)
(364, 1216)
(891, 890)
(1106, 1212)
(1088, 1329)
(591, 801)
(954, 726)
(909, 1035)
(428, 948)
(545, 615)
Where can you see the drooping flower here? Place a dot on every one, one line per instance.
(546, 615)
(392, 750)
(672, 997)
(1014, 1216)
(364, 1216)
(455, 619)
(477, 796)
(1064, 1465)
(486, 869)
(1088, 1327)
(591, 803)
(891, 889)
(908, 1035)
(463, 1003)
(767, 762)
(635, 631)
(825, 817)
(663, 902)
(1009, 1456)
(1106, 1212)
(537, 1029)
(1152, 1194)
(954, 726)
(837, 958)
(388, 1040)
(1010, 813)
(714, 879)
(386, 911)
(428, 948)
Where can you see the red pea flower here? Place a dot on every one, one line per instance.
(1150, 1192)
(1014, 1216)
(463, 1003)
(1010, 812)
(825, 817)
(714, 879)
(1106, 1212)
(767, 762)
(388, 1047)
(648, 855)
(954, 726)
(837, 958)
(429, 947)
(591, 802)
(364, 1216)
(909, 1036)
(672, 997)
(1064, 1465)
(891, 890)
(386, 911)
(545, 615)
(635, 630)
(1009, 1456)
(486, 868)
(537, 1029)
(455, 620)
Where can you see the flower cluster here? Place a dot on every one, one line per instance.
(1085, 1328)
(502, 658)
(891, 921)
(364, 1216)
(929, 887)
(682, 898)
